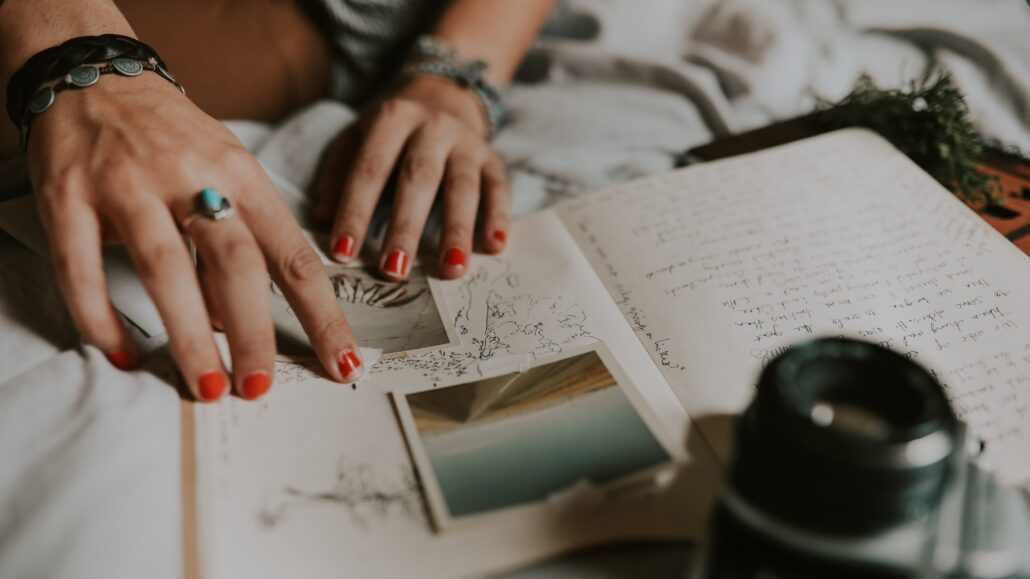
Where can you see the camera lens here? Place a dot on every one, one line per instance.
(844, 436)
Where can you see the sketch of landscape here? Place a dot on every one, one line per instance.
(391, 316)
(364, 496)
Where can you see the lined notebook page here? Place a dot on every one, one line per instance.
(721, 266)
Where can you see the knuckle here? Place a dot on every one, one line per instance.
(461, 183)
(118, 173)
(90, 327)
(494, 170)
(419, 167)
(458, 232)
(96, 325)
(501, 193)
(370, 166)
(192, 348)
(302, 266)
(73, 271)
(334, 329)
(397, 107)
(183, 163)
(499, 190)
(237, 252)
(440, 118)
(355, 217)
(405, 228)
(236, 160)
(61, 189)
(468, 157)
(154, 258)
(256, 344)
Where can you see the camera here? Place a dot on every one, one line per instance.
(849, 462)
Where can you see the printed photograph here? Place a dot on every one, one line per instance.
(518, 438)
(393, 316)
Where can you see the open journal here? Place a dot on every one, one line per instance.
(580, 388)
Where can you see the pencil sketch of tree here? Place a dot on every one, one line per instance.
(496, 317)
(514, 321)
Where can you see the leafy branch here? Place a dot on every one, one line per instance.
(929, 122)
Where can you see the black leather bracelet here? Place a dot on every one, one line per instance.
(27, 85)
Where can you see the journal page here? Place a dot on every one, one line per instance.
(514, 417)
(720, 267)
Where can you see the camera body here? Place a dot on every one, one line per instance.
(850, 463)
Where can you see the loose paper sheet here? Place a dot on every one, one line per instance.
(721, 266)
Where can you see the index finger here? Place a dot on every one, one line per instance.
(299, 273)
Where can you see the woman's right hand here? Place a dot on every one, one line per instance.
(122, 162)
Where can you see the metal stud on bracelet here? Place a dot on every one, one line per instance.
(127, 66)
(42, 100)
(84, 76)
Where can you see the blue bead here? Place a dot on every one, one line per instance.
(212, 198)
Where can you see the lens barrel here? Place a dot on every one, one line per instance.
(844, 437)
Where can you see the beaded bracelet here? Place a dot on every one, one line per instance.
(433, 57)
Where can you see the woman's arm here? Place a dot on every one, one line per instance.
(498, 32)
(123, 161)
(432, 134)
(29, 26)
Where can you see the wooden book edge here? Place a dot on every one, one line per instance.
(191, 555)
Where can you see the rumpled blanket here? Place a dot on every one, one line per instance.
(615, 89)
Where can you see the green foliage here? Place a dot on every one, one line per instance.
(927, 121)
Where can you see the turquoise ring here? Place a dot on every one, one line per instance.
(210, 204)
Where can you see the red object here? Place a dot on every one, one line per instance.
(396, 263)
(212, 385)
(256, 384)
(344, 246)
(121, 360)
(1014, 178)
(454, 257)
(349, 364)
(501, 236)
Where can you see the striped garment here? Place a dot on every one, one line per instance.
(370, 39)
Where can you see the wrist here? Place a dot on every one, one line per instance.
(449, 97)
(110, 92)
(74, 66)
(113, 100)
(30, 26)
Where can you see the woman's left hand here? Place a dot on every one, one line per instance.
(430, 134)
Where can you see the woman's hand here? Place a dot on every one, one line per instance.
(430, 135)
(123, 161)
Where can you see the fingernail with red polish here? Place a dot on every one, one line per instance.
(396, 263)
(501, 236)
(256, 385)
(212, 385)
(351, 368)
(454, 257)
(121, 359)
(344, 248)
